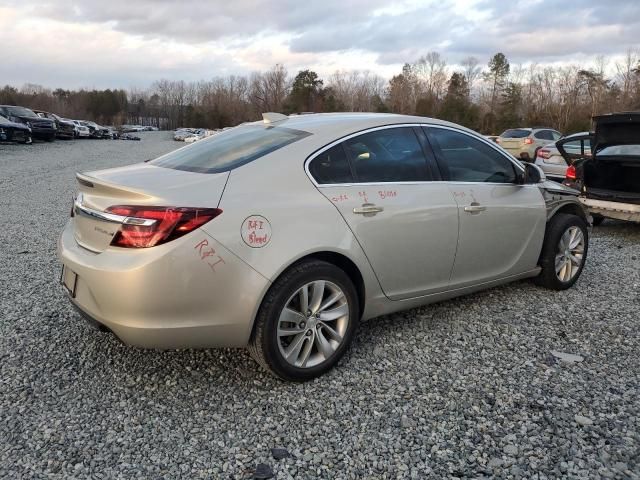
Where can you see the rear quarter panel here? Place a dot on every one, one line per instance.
(297, 220)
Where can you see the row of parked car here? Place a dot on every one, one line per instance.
(190, 135)
(22, 125)
(604, 165)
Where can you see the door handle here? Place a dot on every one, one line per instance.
(475, 207)
(367, 209)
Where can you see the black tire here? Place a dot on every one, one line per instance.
(264, 343)
(50, 138)
(598, 219)
(556, 228)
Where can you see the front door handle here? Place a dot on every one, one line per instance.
(367, 209)
(475, 207)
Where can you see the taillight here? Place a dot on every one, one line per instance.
(571, 173)
(528, 141)
(542, 153)
(168, 223)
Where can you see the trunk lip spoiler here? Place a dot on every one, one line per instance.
(81, 209)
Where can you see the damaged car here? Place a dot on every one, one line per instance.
(65, 128)
(606, 167)
(282, 235)
(14, 132)
(41, 128)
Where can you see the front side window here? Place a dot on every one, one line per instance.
(388, 155)
(467, 159)
(229, 149)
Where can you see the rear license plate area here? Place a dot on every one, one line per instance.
(69, 280)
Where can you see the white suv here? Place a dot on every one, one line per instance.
(523, 143)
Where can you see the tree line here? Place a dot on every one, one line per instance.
(487, 98)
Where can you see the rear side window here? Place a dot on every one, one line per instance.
(467, 159)
(388, 155)
(230, 149)
(544, 135)
(516, 133)
(331, 166)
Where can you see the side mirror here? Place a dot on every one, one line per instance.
(532, 174)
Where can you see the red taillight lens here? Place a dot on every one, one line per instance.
(571, 173)
(170, 223)
(528, 141)
(542, 153)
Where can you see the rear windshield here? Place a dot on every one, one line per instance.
(622, 150)
(229, 149)
(516, 133)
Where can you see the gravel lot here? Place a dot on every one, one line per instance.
(466, 388)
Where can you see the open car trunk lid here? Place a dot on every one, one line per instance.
(614, 171)
(140, 184)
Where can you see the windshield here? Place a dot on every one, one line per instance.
(620, 150)
(516, 133)
(21, 112)
(230, 149)
(4, 121)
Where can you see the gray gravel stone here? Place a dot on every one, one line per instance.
(474, 375)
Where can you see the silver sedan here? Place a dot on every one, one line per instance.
(282, 235)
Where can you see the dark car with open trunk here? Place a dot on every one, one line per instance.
(609, 178)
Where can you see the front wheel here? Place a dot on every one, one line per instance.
(564, 252)
(306, 321)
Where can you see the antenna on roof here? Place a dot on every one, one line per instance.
(272, 117)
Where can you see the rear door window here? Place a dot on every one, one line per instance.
(463, 158)
(388, 155)
(230, 149)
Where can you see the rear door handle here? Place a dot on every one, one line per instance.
(475, 207)
(368, 209)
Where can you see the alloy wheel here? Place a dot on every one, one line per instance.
(312, 324)
(570, 254)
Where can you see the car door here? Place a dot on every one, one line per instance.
(383, 184)
(502, 223)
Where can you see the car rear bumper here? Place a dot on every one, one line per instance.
(522, 153)
(167, 296)
(618, 210)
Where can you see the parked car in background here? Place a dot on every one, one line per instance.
(41, 128)
(182, 133)
(282, 235)
(14, 132)
(523, 143)
(65, 129)
(551, 160)
(81, 131)
(609, 176)
(95, 130)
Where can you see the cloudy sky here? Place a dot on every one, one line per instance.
(118, 43)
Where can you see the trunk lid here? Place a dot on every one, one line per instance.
(616, 129)
(140, 184)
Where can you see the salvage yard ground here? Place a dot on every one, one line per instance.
(478, 386)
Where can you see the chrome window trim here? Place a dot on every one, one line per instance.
(80, 209)
(321, 150)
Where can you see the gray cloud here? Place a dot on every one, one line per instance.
(93, 38)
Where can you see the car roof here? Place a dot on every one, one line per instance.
(340, 124)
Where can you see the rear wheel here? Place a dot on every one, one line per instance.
(306, 321)
(564, 252)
